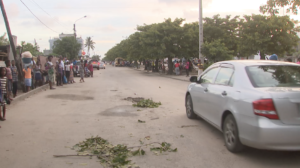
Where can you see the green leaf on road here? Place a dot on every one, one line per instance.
(140, 121)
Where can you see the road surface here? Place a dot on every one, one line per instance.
(51, 122)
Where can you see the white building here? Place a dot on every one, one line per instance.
(52, 40)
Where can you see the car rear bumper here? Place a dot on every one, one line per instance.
(95, 66)
(263, 133)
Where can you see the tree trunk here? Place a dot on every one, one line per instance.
(156, 65)
(170, 65)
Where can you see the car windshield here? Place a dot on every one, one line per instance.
(274, 75)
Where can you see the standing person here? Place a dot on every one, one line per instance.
(81, 71)
(14, 73)
(177, 68)
(28, 79)
(9, 79)
(50, 68)
(91, 68)
(62, 65)
(72, 74)
(3, 81)
(58, 74)
(38, 73)
(187, 68)
(68, 69)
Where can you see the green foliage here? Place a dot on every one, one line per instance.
(67, 47)
(4, 40)
(216, 51)
(267, 34)
(147, 103)
(272, 6)
(115, 156)
(140, 121)
(164, 147)
(232, 36)
(33, 49)
(89, 43)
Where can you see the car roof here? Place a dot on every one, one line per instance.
(256, 62)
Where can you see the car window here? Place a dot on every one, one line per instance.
(209, 76)
(231, 82)
(224, 76)
(274, 75)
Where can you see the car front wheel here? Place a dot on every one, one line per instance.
(189, 108)
(231, 135)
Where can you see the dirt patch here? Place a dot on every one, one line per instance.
(70, 97)
(122, 111)
(134, 99)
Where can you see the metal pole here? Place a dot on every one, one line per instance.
(11, 40)
(200, 32)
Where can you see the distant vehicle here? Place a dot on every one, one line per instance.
(95, 63)
(102, 65)
(119, 62)
(254, 103)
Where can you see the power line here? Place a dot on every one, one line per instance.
(46, 12)
(40, 7)
(37, 17)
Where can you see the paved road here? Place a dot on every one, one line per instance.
(50, 122)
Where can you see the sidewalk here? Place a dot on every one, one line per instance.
(179, 77)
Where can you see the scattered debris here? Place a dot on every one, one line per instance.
(181, 136)
(184, 126)
(134, 99)
(159, 87)
(147, 103)
(155, 118)
(115, 156)
(148, 137)
(138, 110)
(140, 121)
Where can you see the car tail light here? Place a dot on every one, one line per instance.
(266, 108)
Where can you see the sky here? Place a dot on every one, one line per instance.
(109, 21)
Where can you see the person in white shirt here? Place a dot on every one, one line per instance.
(67, 69)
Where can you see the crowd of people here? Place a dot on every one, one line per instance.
(34, 76)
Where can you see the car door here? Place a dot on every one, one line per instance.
(220, 93)
(200, 91)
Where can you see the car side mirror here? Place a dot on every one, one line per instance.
(194, 79)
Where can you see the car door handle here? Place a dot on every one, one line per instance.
(205, 90)
(224, 93)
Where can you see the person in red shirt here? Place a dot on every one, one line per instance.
(90, 66)
(177, 68)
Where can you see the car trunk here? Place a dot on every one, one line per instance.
(287, 103)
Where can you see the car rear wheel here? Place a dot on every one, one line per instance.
(189, 108)
(231, 135)
(98, 68)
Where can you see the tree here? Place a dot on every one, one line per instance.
(4, 40)
(216, 51)
(89, 43)
(67, 47)
(272, 6)
(267, 34)
(33, 49)
(224, 29)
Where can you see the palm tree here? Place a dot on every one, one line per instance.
(89, 44)
(3, 40)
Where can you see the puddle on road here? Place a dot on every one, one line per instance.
(70, 97)
(122, 111)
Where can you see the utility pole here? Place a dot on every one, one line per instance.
(11, 41)
(74, 31)
(200, 32)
